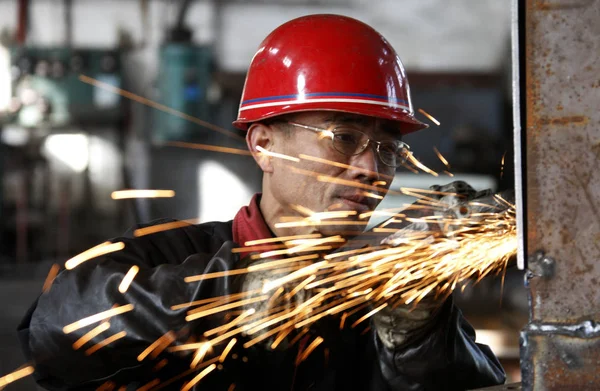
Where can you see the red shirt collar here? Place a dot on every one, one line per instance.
(249, 224)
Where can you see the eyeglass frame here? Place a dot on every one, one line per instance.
(401, 145)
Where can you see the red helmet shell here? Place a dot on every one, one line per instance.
(326, 62)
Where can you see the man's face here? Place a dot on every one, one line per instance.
(318, 182)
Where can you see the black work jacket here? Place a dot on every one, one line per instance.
(444, 357)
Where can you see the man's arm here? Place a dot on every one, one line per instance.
(442, 355)
(164, 259)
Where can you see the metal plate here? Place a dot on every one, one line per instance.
(560, 347)
(563, 154)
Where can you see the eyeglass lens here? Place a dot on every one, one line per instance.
(352, 142)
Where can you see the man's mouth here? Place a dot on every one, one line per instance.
(358, 202)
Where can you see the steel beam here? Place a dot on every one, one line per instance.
(558, 149)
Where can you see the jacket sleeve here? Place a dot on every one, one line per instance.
(164, 259)
(443, 357)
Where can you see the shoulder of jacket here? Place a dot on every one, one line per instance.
(215, 229)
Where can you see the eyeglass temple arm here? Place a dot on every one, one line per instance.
(328, 132)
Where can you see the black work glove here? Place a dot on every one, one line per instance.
(398, 325)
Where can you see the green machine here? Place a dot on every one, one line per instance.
(48, 90)
(183, 82)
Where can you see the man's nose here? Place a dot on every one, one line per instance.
(367, 164)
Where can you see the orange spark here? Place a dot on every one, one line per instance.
(207, 276)
(107, 341)
(229, 325)
(97, 318)
(274, 254)
(448, 173)
(249, 249)
(193, 303)
(336, 277)
(165, 340)
(346, 166)
(280, 338)
(417, 163)
(435, 121)
(211, 311)
(107, 386)
(274, 297)
(409, 168)
(277, 155)
(268, 334)
(442, 158)
(392, 212)
(405, 190)
(198, 377)
(306, 245)
(101, 249)
(148, 386)
(16, 375)
(304, 223)
(200, 353)
(385, 230)
(343, 320)
(102, 327)
(227, 349)
(326, 178)
(222, 299)
(350, 252)
(50, 278)
(299, 287)
(297, 337)
(318, 216)
(313, 345)
(128, 279)
(127, 194)
(270, 285)
(160, 365)
(158, 106)
(281, 239)
(323, 312)
(163, 227)
(208, 147)
(302, 210)
(371, 195)
(339, 181)
(283, 315)
(368, 314)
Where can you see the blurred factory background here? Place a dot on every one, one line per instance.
(66, 145)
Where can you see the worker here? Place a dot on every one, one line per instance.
(326, 86)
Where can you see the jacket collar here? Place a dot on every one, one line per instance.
(249, 224)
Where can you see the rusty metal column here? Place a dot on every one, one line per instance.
(560, 155)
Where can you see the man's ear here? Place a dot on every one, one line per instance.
(260, 135)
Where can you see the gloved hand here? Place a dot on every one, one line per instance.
(399, 325)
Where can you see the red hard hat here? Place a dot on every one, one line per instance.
(326, 62)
